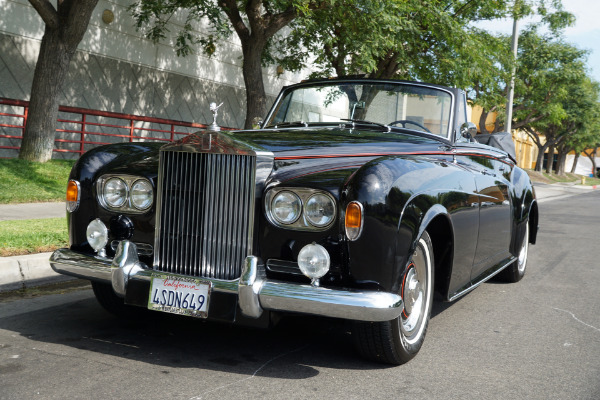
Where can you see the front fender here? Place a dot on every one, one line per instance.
(400, 197)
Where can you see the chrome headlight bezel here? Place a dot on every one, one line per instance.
(122, 199)
(149, 200)
(301, 223)
(295, 204)
(127, 206)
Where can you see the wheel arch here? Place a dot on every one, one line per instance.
(533, 222)
(442, 239)
(438, 224)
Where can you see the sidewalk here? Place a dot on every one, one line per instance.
(20, 272)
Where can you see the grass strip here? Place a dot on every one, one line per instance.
(30, 182)
(29, 236)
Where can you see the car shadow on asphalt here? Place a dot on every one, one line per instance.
(301, 344)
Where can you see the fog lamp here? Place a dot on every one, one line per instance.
(97, 235)
(313, 261)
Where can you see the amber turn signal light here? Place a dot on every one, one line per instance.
(354, 220)
(72, 195)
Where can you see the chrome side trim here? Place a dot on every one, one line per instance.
(254, 292)
(495, 271)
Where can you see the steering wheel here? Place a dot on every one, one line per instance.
(406, 121)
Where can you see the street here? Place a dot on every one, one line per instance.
(537, 339)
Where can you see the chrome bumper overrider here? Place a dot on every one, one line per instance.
(255, 292)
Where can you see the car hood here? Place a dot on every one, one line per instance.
(307, 142)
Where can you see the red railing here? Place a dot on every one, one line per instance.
(91, 131)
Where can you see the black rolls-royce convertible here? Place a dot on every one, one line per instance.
(356, 199)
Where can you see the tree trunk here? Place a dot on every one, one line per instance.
(540, 157)
(65, 28)
(50, 73)
(562, 159)
(550, 160)
(482, 119)
(256, 99)
(592, 158)
(575, 160)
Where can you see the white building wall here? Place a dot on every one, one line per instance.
(116, 69)
(584, 165)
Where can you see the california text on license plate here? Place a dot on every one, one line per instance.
(179, 295)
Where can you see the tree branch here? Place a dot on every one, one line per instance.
(77, 14)
(233, 13)
(278, 21)
(46, 10)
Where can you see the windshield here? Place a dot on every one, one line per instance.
(404, 105)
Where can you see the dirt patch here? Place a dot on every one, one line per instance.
(538, 177)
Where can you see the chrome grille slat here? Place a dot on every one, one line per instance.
(204, 217)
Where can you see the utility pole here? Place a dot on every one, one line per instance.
(511, 88)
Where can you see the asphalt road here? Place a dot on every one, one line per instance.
(537, 339)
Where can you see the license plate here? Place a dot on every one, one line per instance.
(179, 295)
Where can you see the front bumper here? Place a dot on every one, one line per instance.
(255, 293)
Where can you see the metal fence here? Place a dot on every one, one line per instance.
(81, 129)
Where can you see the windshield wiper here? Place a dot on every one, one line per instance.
(288, 124)
(365, 122)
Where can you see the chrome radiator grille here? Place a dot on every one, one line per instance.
(206, 211)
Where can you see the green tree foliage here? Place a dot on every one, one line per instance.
(579, 130)
(408, 39)
(254, 22)
(548, 73)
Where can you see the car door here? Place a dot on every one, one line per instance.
(494, 210)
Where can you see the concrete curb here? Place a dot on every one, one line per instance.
(26, 271)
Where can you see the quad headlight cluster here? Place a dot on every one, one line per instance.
(125, 193)
(300, 208)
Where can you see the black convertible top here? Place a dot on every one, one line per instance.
(499, 140)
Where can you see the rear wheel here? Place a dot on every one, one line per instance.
(516, 271)
(399, 340)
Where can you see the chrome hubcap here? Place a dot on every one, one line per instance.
(416, 294)
(412, 290)
(524, 249)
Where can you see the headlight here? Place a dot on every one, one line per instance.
(125, 193)
(286, 207)
(141, 194)
(115, 192)
(298, 208)
(320, 210)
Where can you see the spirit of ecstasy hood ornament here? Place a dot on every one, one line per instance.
(214, 108)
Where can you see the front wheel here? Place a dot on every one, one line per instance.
(111, 302)
(399, 340)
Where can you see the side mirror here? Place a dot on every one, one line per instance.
(468, 130)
